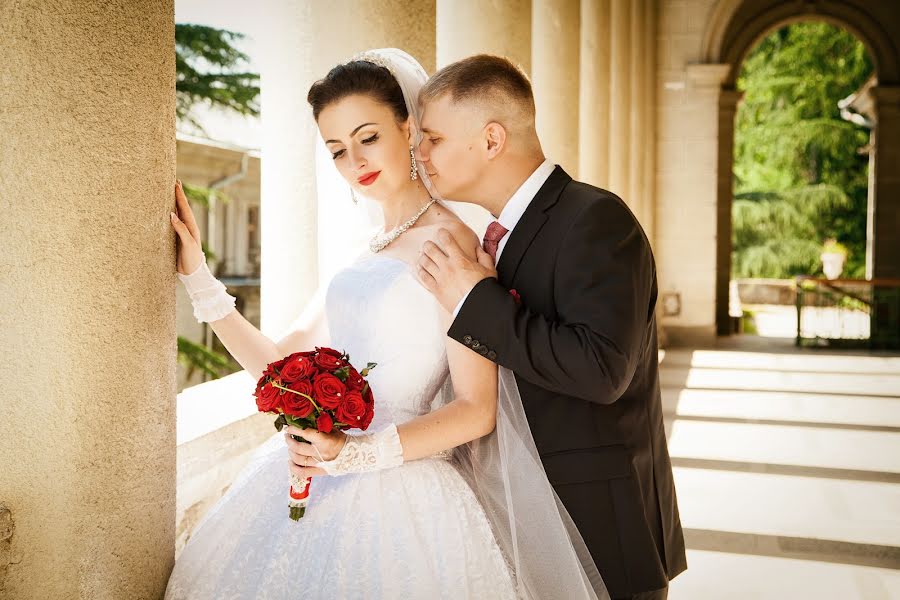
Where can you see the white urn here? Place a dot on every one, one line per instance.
(833, 264)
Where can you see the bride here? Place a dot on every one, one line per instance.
(444, 495)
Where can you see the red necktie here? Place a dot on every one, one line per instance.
(492, 237)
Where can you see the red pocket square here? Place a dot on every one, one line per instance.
(516, 296)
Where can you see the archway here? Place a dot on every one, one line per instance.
(800, 186)
(737, 26)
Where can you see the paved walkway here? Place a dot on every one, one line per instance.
(787, 468)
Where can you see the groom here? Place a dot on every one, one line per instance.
(569, 309)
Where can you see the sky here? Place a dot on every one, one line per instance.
(236, 16)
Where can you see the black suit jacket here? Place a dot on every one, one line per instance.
(582, 344)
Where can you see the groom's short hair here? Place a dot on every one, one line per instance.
(483, 78)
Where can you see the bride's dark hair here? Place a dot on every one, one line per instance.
(358, 77)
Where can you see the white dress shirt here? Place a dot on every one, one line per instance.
(515, 208)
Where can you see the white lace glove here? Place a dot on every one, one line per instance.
(208, 296)
(368, 452)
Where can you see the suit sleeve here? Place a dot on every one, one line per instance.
(602, 285)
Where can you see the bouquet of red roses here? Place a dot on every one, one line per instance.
(318, 389)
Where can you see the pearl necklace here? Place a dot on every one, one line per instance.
(380, 241)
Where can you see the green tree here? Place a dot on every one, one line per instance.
(799, 175)
(208, 70)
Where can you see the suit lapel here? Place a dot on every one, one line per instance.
(526, 229)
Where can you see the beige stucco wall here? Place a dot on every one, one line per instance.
(87, 436)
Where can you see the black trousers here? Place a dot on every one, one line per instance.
(654, 595)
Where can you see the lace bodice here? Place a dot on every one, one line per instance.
(377, 311)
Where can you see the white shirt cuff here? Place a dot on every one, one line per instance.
(461, 302)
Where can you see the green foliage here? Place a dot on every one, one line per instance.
(776, 234)
(207, 70)
(198, 357)
(799, 176)
(833, 246)
(201, 195)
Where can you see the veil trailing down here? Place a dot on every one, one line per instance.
(534, 531)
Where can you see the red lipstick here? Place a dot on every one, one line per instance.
(369, 178)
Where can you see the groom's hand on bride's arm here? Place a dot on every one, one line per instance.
(447, 271)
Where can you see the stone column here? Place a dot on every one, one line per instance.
(620, 98)
(728, 101)
(555, 27)
(466, 27)
(617, 143)
(642, 146)
(650, 66)
(87, 297)
(302, 41)
(594, 94)
(885, 214)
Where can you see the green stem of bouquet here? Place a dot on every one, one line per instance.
(281, 387)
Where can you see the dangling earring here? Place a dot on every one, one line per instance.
(353, 196)
(413, 169)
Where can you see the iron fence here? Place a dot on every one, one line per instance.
(848, 313)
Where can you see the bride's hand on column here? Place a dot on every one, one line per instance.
(319, 447)
(190, 252)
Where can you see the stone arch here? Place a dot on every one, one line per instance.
(733, 29)
(736, 26)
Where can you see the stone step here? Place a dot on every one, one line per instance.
(864, 514)
(715, 575)
(802, 408)
(824, 361)
(854, 384)
(836, 453)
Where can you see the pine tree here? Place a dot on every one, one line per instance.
(207, 70)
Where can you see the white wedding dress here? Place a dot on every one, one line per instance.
(414, 531)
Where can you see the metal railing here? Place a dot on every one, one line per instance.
(848, 313)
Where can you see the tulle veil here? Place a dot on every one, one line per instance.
(542, 546)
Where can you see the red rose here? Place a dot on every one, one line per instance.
(298, 368)
(516, 296)
(324, 423)
(295, 404)
(352, 409)
(267, 400)
(354, 381)
(327, 361)
(329, 390)
(367, 395)
(331, 351)
(267, 376)
(367, 418)
(272, 369)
